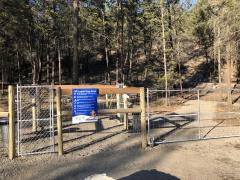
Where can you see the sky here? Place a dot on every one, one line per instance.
(192, 1)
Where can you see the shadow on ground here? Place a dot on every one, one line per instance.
(149, 175)
(123, 158)
(170, 124)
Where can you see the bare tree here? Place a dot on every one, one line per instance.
(75, 63)
(164, 51)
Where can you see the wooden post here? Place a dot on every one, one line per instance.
(118, 105)
(125, 114)
(11, 124)
(143, 119)
(34, 124)
(37, 104)
(106, 96)
(59, 122)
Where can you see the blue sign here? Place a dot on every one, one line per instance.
(84, 105)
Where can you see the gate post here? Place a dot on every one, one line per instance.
(199, 109)
(59, 122)
(125, 100)
(143, 118)
(11, 124)
(148, 116)
(118, 106)
(34, 119)
(106, 97)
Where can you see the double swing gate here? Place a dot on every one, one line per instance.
(194, 114)
(35, 119)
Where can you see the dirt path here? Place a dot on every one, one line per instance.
(182, 122)
(122, 159)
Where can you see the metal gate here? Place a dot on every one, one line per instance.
(35, 119)
(192, 114)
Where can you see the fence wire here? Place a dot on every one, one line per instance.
(3, 139)
(35, 114)
(186, 115)
(35, 119)
(3, 126)
(219, 113)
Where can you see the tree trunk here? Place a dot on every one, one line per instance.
(48, 66)
(130, 60)
(164, 52)
(219, 57)
(2, 75)
(179, 65)
(19, 67)
(53, 71)
(34, 72)
(228, 49)
(106, 43)
(118, 47)
(75, 64)
(39, 72)
(214, 47)
(170, 26)
(117, 73)
(59, 65)
(122, 41)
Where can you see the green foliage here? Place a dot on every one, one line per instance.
(202, 29)
(126, 31)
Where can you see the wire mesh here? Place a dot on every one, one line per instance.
(171, 116)
(3, 126)
(35, 119)
(219, 113)
(3, 139)
(186, 115)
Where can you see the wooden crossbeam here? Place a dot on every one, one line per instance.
(3, 114)
(114, 111)
(103, 89)
(109, 111)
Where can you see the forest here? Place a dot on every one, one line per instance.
(137, 42)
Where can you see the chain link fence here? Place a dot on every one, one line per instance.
(219, 113)
(3, 137)
(35, 119)
(36, 124)
(3, 126)
(194, 114)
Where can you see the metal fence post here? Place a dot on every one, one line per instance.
(125, 114)
(11, 131)
(148, 114)
(106, 97)
(34, 120)
(52, 117)
(59, 122)
(143, 119)
(199, 128)
(18, 119)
